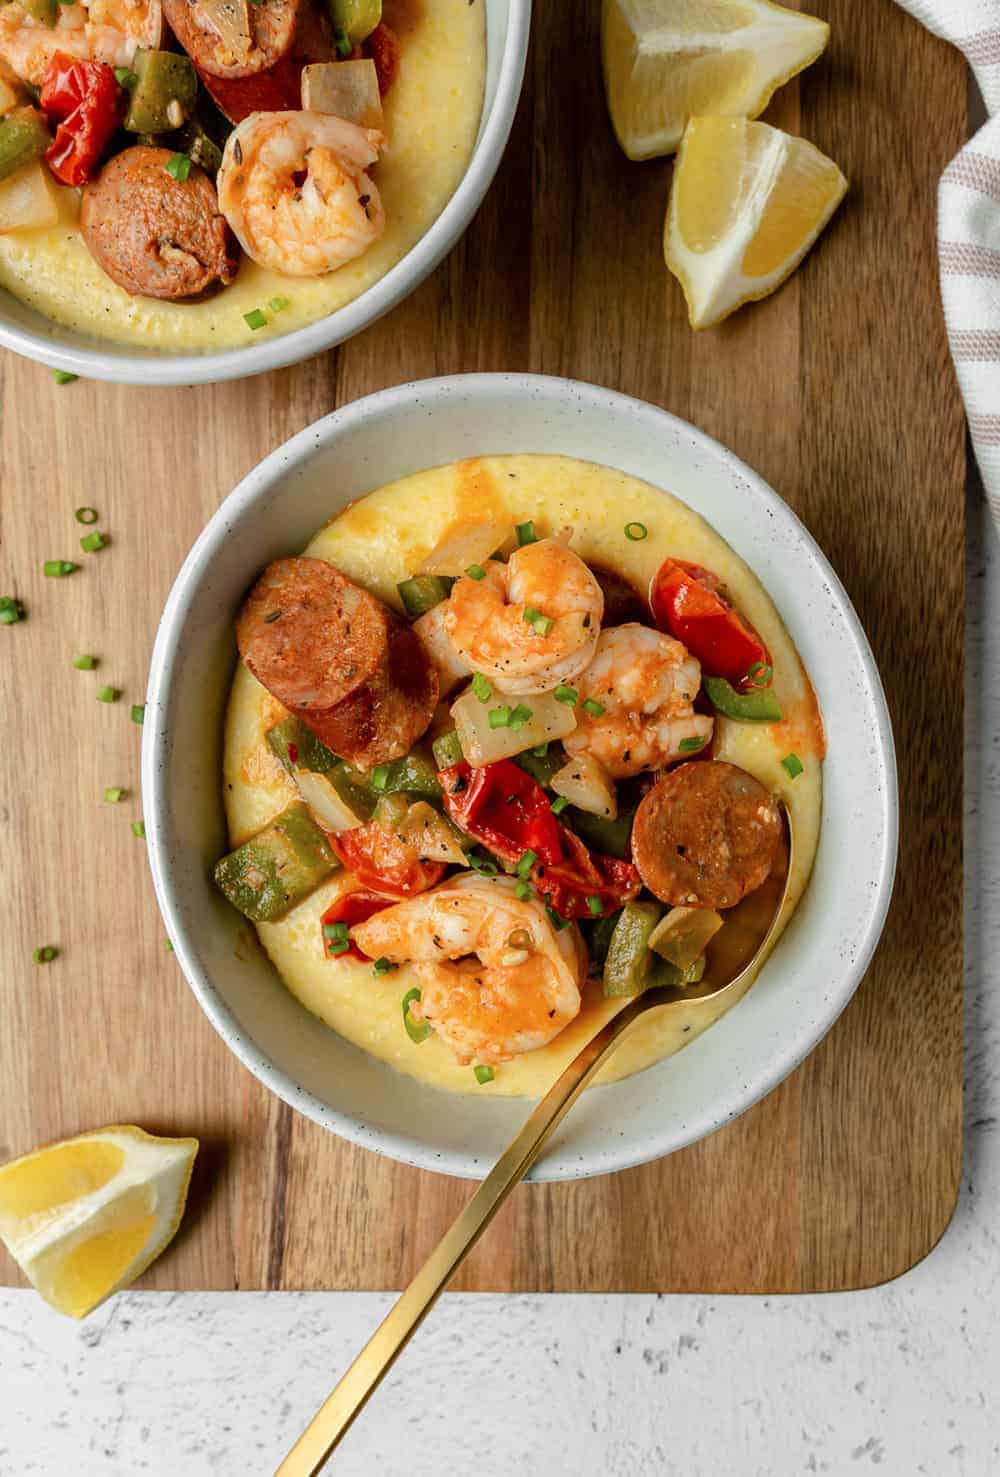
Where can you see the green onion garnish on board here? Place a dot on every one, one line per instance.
(482, 689)
(139, 829)
(11, 611)
(45, 954)
(792, 765)
(255, 319)
(179, 165)
(113, 794)
(85, 663)
(86, 515)
(57, 569)
(483, 1075)
(108, 694)
(63, 376)
(92, 542)
(138, 712)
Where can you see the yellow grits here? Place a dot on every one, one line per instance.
(379, 541)
(432, 114)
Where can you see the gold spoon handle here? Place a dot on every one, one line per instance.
(336, 1414)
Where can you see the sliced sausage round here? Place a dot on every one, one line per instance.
(706, 835)
(339, 659)
(272, 29)
(154, 235)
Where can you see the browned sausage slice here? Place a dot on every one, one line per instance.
(706, 835)
(271, 25)
(338, 659)
(154, 235)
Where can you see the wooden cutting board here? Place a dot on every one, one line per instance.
(838, 390)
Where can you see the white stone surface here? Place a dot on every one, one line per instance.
(903, 1378)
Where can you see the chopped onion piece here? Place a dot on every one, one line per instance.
(467, 541)
(28, 200)
(432, 835)
(683, 935)
(329, 809)
(346, 89)
(483, 744)
(587, 785)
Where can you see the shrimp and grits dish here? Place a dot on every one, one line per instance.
(506, 745)
(182, 174)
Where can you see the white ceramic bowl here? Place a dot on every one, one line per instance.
(30, 333)
(829, 943)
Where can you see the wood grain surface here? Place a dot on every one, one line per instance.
(838, 390)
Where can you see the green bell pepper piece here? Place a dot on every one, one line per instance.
(23, 139)
(422, 592)
(276, 869)
(292, 736)
(598, 936)
(611, 838)
(759, 705)
(542, 767)
(447, 750)
(162, 79)
(416, 774)
(626, 969)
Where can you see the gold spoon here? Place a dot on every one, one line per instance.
(330, 1423)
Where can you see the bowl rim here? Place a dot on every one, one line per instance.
(282, 463)
(166, 369)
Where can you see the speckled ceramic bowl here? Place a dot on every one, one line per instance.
(820, 959)
(28, 332)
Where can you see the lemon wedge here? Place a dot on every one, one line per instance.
(666, 61)
(84, 1217)
(747, 203)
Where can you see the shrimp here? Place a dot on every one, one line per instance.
(531, 623)
(294, 189)
(450, 667)
(496, 979)
(645, 683)
(99, 30)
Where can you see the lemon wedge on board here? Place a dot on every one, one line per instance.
(666, 61)
(747, 203)
(84, 1217)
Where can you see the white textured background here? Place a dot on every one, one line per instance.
(904, 1379)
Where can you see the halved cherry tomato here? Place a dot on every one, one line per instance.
(351, 908)
(568, 885)
(384, 863)
(89, 105)
(688, 601)
(504, 808)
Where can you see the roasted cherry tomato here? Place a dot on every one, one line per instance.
(351, 908)
(502, 807)
(574, 886)
(382, 862)
(688, 601)
(88, 105)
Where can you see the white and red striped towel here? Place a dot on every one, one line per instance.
(969, 231)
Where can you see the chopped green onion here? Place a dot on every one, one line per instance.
(526, 533)
(138, 712)
(559, 805)
(792, 765)
(380, 776)
(11, 611)
(691, 745)
(595, 709)
(383, 966)
(558, 922)
(92, 542)
(523, 891)
(109, 694)
(45, 954)
(760, 674)
(542, 623)
(341, 946)
(113, 794)
(139, 829)
(342, 42)
(499, 717)
(416, 1030)
(86, 515)
(476, 572)
(56, 569)
(483, 1075)
(564, 694)
(255, 319)
(636, 532)
(85, 663)
(63, 376)
(482, 864)
(595, 905)
(124, 77)
(481, 688)
(335, 933)
(179, 165)
(520, 716)
(528, 860)
(278, 304)
(168, 946)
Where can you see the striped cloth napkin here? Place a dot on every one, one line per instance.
(969, 231)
